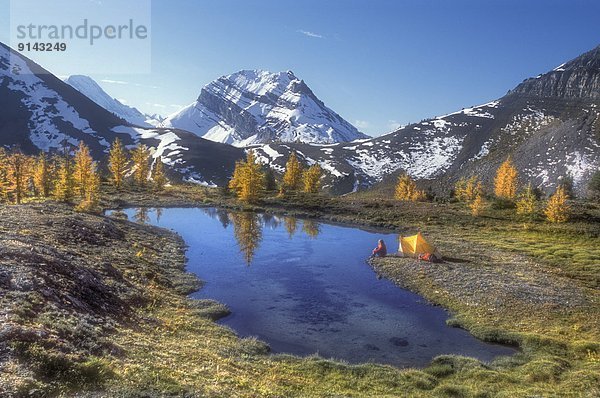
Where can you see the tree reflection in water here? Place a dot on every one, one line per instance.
(141, 215)
(311, 228)
(159, 212)
(223, 216)
(271, 221)
(218, 214)
(247, 229)
(291, 225)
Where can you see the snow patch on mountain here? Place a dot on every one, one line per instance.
(47, 107)
(476, 111)
(579, 166)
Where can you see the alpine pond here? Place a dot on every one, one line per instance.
(304, 287)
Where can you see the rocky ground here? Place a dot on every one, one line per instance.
(67, 281)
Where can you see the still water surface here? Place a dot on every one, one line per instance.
(305, 288)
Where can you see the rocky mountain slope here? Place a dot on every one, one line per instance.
(550, 125)
(259, 107)
(88, 87)
(41, 112)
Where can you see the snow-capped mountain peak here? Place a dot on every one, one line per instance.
(88, 87)
(257, 107)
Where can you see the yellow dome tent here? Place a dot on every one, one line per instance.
(412, 246)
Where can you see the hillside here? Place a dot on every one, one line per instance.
(549, 125)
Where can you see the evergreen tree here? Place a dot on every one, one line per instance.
(64, 184)
(141, 164)
(557, 209)
(43, 175)
(311, 178)
(527, 203)
(117, 163)
(159, 179)
(270, 183)
(568, 185)
(19, 169)
(505, 183)
(406, 189)
(292, 178)
(84, 170)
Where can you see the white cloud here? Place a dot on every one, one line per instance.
(122, 82)
(178, 106)
(362, 124)
(122, 100)
(311, 34)
(156, 105)
(113, 81)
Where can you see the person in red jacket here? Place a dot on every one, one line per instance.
(380, 250)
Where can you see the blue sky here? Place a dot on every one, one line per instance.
(378, 63)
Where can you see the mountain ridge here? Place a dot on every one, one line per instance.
(255, 106)
(90, 88)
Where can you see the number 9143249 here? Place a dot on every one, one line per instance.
(38, 46)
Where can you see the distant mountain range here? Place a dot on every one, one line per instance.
(258, 107)
(88, 87)
(550, 125)
(41, 112)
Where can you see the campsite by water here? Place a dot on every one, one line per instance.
(305, 288)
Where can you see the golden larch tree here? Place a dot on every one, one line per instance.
(117, 163)
(140, 157)
(477, 205)
(3, 175)
(159, 179)
(19, 172)
(83, 169)
(235, 182)
(43, 175)
(505, 183)
(91, 196)
(248, 180)
(527, 202)
(406, 189)
(292, 178)
(64, 184)
(466, 189)
(312, 178)
(557, 209)
(253, 179)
